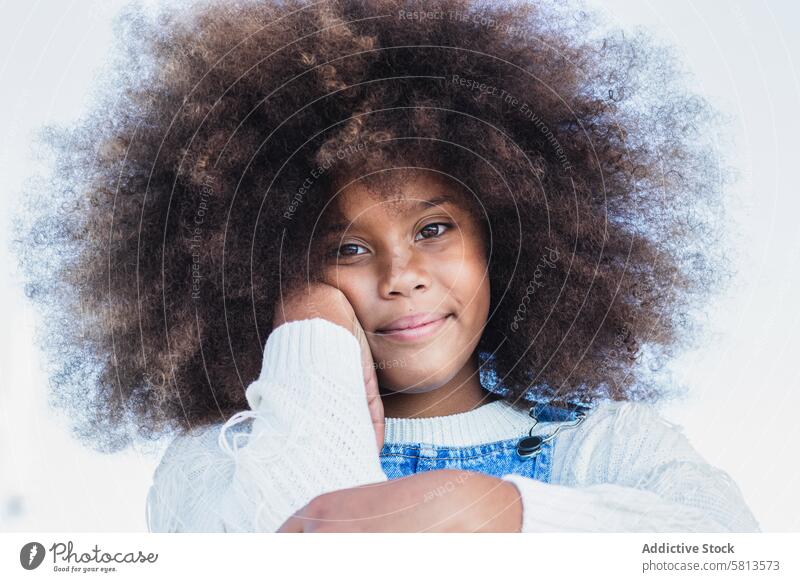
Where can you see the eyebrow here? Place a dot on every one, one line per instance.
(415, 207)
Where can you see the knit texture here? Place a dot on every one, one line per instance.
(308, 431)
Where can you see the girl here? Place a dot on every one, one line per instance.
(463, 234)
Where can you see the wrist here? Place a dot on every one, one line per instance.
(299, 349)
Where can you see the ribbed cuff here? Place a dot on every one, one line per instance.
(298, 348)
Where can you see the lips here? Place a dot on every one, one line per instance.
(424, 332)
(412, 321)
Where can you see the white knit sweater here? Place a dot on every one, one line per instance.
(623, 469)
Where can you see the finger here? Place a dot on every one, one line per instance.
(291, 525)
(375, 405)
(374, 402)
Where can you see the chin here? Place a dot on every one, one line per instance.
(414, 390)
(416, 383)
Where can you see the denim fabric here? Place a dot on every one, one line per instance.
(497, 458)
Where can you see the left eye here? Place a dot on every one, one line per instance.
(433, 229)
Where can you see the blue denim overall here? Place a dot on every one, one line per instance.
(496, 458)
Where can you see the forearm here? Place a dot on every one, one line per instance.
(612, 508)
(311, 434)
(446, 500)
(628, 469)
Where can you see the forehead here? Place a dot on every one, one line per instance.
(396, 198)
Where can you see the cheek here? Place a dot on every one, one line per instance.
(476, 306)
(337, 277)
(468, 282)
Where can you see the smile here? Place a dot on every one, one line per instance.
(413, 334)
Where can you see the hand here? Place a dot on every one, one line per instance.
(328, 302)
(447, 500)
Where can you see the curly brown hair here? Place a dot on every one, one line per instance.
(187, 200)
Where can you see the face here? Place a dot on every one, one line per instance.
(417, 262)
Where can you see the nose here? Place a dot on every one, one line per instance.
(404, 272)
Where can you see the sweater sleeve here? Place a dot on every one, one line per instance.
(629, 470)
(311, 433)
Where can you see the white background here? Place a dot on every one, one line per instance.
(742, 411)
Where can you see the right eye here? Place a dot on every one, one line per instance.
(342, 251)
